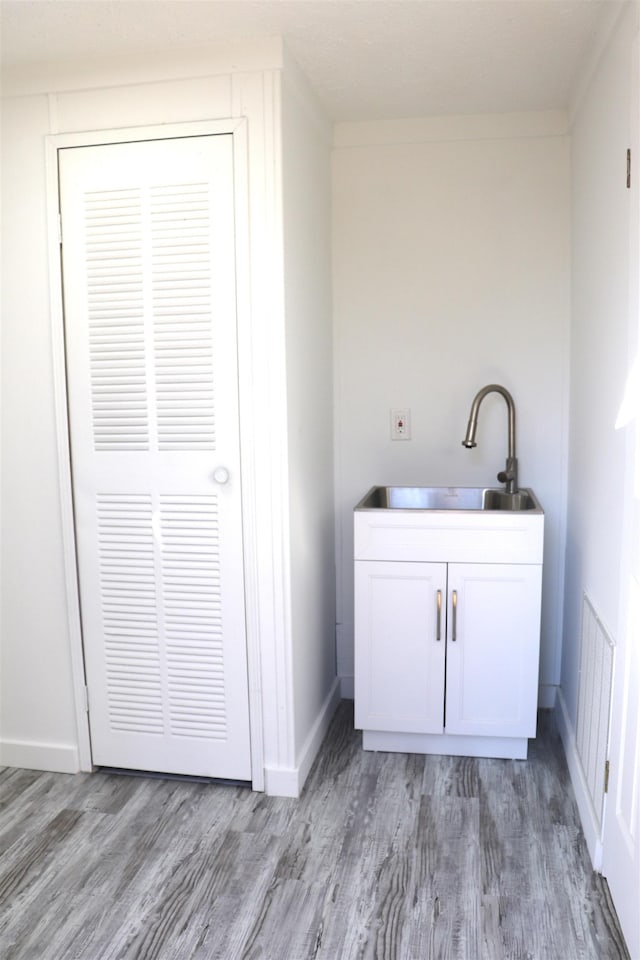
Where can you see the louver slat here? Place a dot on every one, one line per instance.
(115, 310)
(129, 613)
(181, 294)
(192, 615)
(190, 640)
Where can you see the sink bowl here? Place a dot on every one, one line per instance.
(447, 498)
(499, 500)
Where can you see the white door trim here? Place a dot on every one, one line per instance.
(238, 128)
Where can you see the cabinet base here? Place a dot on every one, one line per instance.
(505, 748)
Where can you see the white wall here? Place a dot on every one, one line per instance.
(306, 180)
(451, 266)
(38, 720)
(36, 702)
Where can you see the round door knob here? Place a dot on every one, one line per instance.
(221, 475)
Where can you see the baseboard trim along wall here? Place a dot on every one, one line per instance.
(279, 781)
(587, 813)
(53, 757)
(289, 781)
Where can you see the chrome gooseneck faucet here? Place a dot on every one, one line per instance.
(509, 475)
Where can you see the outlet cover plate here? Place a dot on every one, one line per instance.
(401, 424)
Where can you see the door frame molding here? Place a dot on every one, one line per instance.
(238, 128)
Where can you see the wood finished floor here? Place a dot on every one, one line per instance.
(385, 856)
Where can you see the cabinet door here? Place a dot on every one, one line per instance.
(492, 649)
(400, 652)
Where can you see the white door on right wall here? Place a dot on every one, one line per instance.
(621, 838)
(621, 843)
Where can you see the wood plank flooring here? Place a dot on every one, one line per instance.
(384, 857)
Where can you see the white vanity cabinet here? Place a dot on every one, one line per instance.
(447, 641)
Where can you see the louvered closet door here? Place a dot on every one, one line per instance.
(150, 322)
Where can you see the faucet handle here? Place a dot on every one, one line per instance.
(509, 475)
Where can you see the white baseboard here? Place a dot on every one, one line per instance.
(585, 807)
(289, 781)
(281, 782)
(53, 757)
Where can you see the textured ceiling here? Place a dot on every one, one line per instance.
(367, 59)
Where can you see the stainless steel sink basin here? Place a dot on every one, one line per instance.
(499, 500)
(447, 498)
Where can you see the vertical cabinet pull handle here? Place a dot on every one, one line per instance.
(454, 612)
(439, 616)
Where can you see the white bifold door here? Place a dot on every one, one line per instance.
(148, 257)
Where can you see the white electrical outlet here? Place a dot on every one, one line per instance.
(401, 424)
